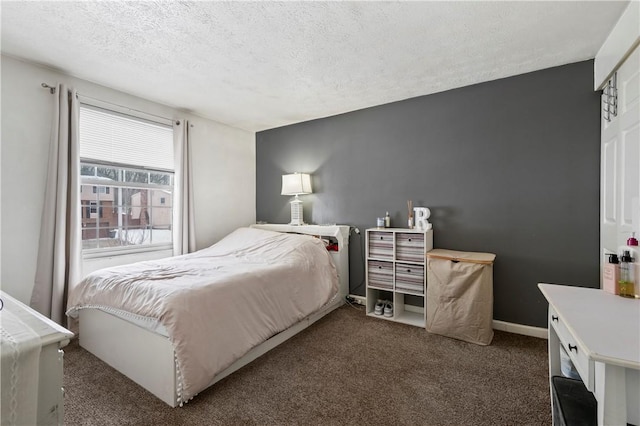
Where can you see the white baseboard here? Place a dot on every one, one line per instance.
(416, 309)
(526, 330)
(509, 327)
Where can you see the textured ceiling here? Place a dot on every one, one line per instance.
(259, 65)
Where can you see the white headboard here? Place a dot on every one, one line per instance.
(340, 257)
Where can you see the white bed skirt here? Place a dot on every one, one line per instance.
(148, 359)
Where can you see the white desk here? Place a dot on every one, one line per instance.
(601, 334)
(49, 374)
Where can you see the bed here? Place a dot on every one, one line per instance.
(179, 325)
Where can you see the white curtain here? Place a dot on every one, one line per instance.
(184, 235)
(59, 252)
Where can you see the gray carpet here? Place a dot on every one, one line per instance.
(345, 369)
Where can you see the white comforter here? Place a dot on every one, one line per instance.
(218, 303)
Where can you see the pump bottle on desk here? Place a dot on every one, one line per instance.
(627, 269)
(387, 221)
(635, 254)
(631, 247)
(611, 275)
(634, 266)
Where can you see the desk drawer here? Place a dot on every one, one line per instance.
(576, 351)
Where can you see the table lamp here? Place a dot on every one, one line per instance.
(296, 184)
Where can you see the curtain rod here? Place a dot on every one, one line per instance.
(52, 90)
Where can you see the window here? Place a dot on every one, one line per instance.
(126, 177)
(101, 189)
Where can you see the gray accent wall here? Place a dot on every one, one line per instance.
(510, 167)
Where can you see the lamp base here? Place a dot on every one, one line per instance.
(296, 212)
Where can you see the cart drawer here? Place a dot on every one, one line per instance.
(381, 245)
(410, 247)
(380, 274)
(410, 278)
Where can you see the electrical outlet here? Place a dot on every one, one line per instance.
(357, 300)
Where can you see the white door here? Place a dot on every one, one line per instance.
(620, 162)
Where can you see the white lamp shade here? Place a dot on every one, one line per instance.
(296, 184)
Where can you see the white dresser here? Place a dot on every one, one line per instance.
(601, 334)
(31, 365)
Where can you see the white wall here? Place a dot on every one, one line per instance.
(223, 168)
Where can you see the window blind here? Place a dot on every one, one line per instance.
(117, 138)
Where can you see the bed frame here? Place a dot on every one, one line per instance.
(148, 359)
